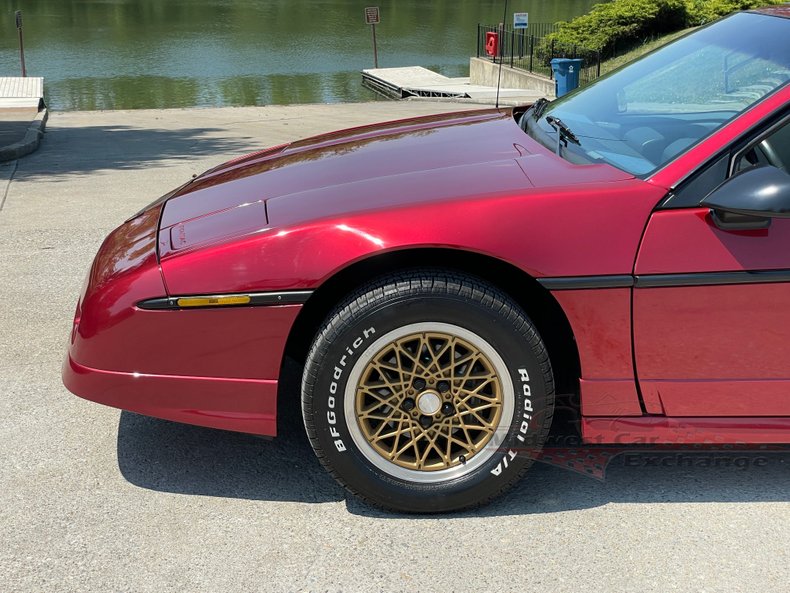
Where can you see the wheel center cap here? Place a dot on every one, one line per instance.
(429, 402)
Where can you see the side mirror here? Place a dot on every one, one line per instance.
(750, 199)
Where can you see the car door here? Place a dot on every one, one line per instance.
(711, 303)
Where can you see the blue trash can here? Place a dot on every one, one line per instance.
(566, 74)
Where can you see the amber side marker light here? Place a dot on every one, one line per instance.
(196, 301)
(214, 301)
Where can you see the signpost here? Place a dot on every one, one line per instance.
(18, 16)
(520, 24)
(373, 18)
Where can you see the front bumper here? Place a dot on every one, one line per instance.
(245, 405)
(211, 367)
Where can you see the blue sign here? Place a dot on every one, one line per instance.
(520, 20)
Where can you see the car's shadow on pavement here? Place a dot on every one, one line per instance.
(170, 457)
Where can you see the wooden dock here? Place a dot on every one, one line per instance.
(416, 81)
(23, 116)
(21, 93)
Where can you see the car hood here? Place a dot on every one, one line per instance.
(443, 157)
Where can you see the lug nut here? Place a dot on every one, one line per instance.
(419, 384)
(448, 409)
(408, 404)
(443, 386)
(425, 421)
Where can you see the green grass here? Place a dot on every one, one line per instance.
(647, 47)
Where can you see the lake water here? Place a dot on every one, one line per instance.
(125, 54)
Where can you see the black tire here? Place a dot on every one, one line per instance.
(373, 353)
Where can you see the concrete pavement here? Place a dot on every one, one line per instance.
(93, 499)
(21, 130)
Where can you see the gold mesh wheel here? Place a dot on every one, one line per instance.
(429, 401)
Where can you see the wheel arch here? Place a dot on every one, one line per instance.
(542, 308)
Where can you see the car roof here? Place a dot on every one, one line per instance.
(780, 11)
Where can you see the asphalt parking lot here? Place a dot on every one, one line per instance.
(94, 499)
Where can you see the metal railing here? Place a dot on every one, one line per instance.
(527, 49)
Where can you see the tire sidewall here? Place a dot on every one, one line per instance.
(342, 344)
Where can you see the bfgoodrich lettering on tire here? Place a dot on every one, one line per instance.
(427, 391)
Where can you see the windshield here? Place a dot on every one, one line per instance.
(643, 115)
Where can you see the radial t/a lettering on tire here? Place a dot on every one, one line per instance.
(427, 391)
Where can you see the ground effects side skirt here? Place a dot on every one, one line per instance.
(661, 430)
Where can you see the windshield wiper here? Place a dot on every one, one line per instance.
(535, 111)
(563, 132)
(539, 106)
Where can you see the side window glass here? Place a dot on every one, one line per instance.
(773, 150)
(691, 191)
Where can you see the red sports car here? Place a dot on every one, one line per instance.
(436, 281)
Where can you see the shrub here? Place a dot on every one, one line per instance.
(700, 12)
(627, 21)
(609, 23)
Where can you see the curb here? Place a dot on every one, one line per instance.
(30, 142)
